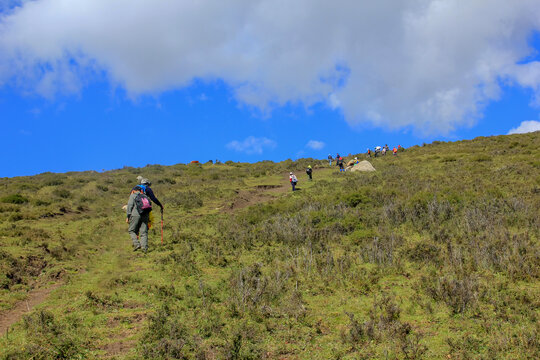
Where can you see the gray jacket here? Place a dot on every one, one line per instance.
(132, 206)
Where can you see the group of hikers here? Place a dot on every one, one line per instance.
(139, 206)
(341, 162)
(383, 150)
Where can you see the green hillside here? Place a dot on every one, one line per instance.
(435, 255)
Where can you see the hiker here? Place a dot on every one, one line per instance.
(145, 185)
(309, 172)
(394, 151)
(368, 153)
(385, 147)
(383, 151)
(293, 180)
(138, 213)
(330, 160)
(340, 164)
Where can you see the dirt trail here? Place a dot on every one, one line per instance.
(255, 195)
(35, 297)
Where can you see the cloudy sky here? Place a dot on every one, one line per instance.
(99, 84)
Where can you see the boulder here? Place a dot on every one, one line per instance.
(363, 166)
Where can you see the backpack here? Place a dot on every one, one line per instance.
(294, 179)
(143, 203)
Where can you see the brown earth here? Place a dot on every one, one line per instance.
(35, 297)
(255, 195)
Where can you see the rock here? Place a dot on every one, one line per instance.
(363, 166)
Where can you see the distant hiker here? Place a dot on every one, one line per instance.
(309, 172)
(330, 160)
(293, 180)
(138, 213)
(368, 153)
(145, 185)
(356, 161)
(394, 151)
(385, 147)
(337, 156)
(340, 164)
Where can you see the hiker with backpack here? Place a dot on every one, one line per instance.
(340, 164)
(138, 213)
(330, 159)
(309, 172)
(145, 185)
(293, 180)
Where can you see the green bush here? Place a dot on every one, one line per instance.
(14, 199)
(62, 193)
(185, 199)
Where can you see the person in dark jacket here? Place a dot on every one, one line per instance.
(340, 164)
(145, 185)
(309, 172)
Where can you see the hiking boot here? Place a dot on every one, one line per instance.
(135, 248)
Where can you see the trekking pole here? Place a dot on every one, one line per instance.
(161, 227)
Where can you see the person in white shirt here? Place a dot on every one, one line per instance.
(293, 180)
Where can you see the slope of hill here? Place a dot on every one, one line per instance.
(434, 255)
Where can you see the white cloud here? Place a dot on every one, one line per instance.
(526, 127)
(315, 145)
(251, 145)
(429, 64)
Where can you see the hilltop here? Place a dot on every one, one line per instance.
(436, 254)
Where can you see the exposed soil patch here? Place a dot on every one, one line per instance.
(266, 187)
(255, 195)
(123, 342)
(118, 348)
(35, 297)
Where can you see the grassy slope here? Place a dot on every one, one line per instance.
(435, 255)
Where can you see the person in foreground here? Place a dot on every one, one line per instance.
(145, 185)
(138, 213)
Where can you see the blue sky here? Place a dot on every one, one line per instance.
(72, 100)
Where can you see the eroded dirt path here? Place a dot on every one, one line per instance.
(255, 195)
(35, 297)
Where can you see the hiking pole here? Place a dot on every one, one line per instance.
(162, 226)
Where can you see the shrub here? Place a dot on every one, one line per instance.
(166, 336)
(62, 193)
(186, 199)
(49, 338)
(14, 199)
(102, 187)
(54, 182)
(40, 202)
(481, 158)
(460, 293)
(424, 252)
(355, 199)
(382, 250)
